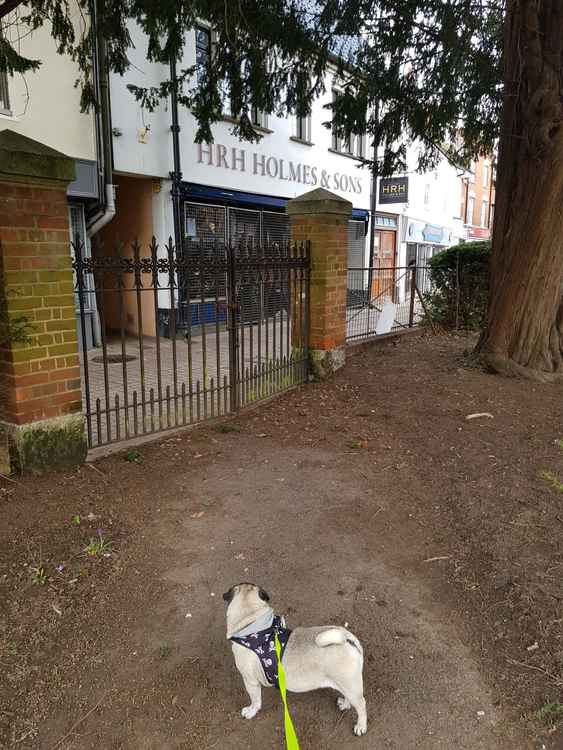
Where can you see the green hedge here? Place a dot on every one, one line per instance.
(460, 285)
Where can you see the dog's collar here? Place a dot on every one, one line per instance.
(262, 623)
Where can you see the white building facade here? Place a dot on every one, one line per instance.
(231, 190)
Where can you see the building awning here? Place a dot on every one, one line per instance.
(191, 191)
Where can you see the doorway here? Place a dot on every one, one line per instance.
(384, 257)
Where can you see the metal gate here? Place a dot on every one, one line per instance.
(189, 336)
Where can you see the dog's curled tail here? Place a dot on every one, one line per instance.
(338, 637)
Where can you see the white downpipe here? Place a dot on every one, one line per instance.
(107, 215)
(99, 223)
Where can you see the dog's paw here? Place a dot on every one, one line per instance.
(249, 712)
(343, 704)
(360, 729)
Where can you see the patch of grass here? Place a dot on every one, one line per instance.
(134, 457)
(550, 712)
(552, 479)
(76, 520)
(164, 650)
(358, 444)
(98, 546)
(560, 443)
(39, 575)
(228, 427)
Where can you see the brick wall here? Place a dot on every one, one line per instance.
(40, 379)
(474, 188)
(329, 267)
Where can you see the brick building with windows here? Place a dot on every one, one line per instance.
(478, 199)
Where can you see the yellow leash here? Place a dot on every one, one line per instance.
(290, 736)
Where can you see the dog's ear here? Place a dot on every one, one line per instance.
(263, 595)
(228, 595)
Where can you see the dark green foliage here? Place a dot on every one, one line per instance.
(433, 63)
(460, 277)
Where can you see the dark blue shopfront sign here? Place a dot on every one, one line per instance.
(191, 191)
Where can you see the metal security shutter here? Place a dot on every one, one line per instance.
(204, 225)
(358, 277)
(244, 225)
(356, 244)
(275, 227)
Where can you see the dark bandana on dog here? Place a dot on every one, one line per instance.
(264, 646)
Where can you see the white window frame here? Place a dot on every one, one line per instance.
(302, 128)
(427, 195)
(470, 213)
(353, 145)
(484, 213)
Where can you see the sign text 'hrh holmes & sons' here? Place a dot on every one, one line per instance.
(238, 159)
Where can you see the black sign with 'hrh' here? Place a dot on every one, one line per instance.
(394, 190)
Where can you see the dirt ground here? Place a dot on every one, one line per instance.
(370, 499)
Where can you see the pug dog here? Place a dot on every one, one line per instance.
(312, 658)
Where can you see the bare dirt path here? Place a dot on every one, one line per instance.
(336, 498)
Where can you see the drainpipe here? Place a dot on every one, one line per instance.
(176, 174)
(490, 197)
(374, 174)
(106, 209)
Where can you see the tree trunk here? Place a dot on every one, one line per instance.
(524, 329)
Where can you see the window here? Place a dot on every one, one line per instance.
(470, 210)
(472, 166)
(258, 118)
(4, 93)
(485, 175)
(202, 51)
(427, 194)
(303, 128)
(485, 214)
(351, 145)
(492, 214)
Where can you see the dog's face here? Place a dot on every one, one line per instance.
(246, 602)
(247, 590)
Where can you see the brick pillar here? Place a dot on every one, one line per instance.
(322, 217)
(40, 395)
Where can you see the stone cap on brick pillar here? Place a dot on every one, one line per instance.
(319, 201)
(23, 157)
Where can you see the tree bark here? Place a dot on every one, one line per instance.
(523, 334)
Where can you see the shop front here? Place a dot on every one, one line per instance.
(213, 217)
(423, 241)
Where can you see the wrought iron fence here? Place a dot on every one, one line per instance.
(184, 337)
(383, 299)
